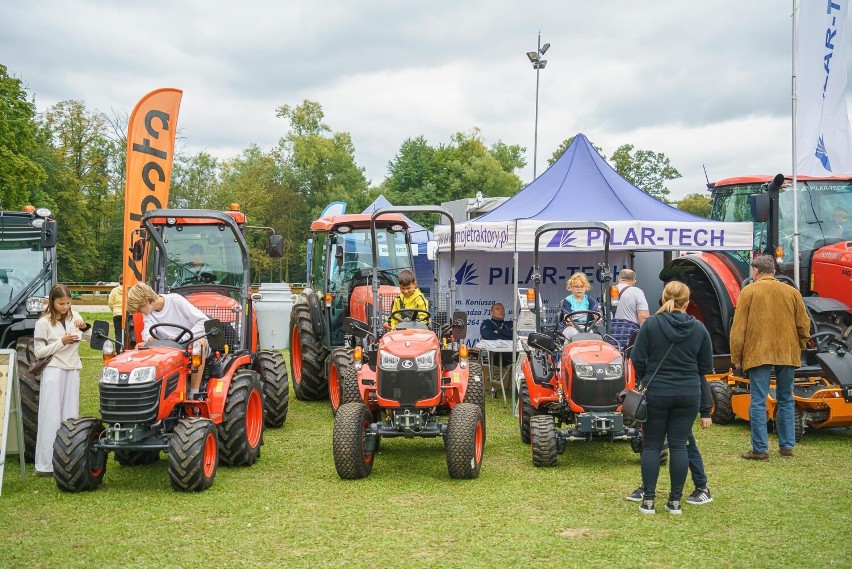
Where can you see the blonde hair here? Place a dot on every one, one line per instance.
(578, 278)
(139, 295)
(675, 297)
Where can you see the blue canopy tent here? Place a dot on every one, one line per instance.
(420, 236)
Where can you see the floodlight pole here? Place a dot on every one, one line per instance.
(538, 64)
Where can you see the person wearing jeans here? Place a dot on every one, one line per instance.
(771, 328)
(671, 355)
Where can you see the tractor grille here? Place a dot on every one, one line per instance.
(131, 404)
(408, 387)
(232, 322)
(597, 394)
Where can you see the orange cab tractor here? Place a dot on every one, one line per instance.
(143, 391)
(415, 380)
(340, 276)
(571, 387)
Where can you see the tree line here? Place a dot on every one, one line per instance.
(72, 159)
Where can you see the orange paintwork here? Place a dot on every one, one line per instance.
(356, 220)
(362, 296)
(765, 179)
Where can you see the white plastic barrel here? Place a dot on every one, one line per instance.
(273, 315)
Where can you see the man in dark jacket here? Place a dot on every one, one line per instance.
(497, 328)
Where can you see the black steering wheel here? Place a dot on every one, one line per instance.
(410, 315)
(592, 319)
(820, 341)
(184, 331)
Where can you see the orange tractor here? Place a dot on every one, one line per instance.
(572, 382)
(144, 404)
(414, 380)
(340, 274)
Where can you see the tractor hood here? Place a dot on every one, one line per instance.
(592, 352)
(164, 358)
(408, 343)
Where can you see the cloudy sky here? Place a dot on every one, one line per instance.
(706, 83)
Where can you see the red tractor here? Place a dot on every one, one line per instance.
(340, 274)
(144, 405)
(573, 382)
(410, 379)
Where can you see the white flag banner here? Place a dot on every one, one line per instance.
(824, 137)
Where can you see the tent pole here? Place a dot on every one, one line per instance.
(517, 307)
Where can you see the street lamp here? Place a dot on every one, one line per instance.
(538, 64)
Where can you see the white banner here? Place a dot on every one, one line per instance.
(626, 236)
(823, 134)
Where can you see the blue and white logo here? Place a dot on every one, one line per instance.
(563, 238)
(466, 275)
(822, 154)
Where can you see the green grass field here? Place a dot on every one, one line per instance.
(291, 510)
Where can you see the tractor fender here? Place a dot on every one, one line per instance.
(316, 311)
(218, 387)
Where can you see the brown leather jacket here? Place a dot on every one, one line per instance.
(771, 325)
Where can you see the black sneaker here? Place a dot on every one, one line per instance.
(700, 496)
(636, 495)
(673, 507)
(647, 507)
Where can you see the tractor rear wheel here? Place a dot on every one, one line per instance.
(543, 440)
(340, 366)
(465, 441)
(307, 356)
(348, 441)
(29, 388)
(800, 425)
(525, 412)
(193, 455)
(276, 389)
(77, 467)
(241, 429)
(723, 412)
(136, 457)
(476, 391)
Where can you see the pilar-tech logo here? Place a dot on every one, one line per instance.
(466, 275)
(563, 238)
(822, 154)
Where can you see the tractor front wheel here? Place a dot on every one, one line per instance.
(465, 441)
(241, 429)
(276, 389)
(723, 412)
(29, 388)
(307, 356)
(543, 440)
(340, 367)
(77, 467)
(475, 393)
(348, 441)
(193, 455)
(525, 412)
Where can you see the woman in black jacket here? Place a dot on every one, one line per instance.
(679, 345)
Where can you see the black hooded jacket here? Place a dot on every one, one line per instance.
(690, 358)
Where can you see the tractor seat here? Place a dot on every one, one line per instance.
(166, 343)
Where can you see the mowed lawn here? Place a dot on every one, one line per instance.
(291, 510)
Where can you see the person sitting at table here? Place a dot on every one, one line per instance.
(497, 328)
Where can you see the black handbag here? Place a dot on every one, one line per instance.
(34, 365)
(635, 405)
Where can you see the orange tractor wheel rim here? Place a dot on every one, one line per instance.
(478, 443)
(210, 451)
(367, 458)
(334, 387)
(296, 352)
(254, 418)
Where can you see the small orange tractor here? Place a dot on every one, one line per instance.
(144, 403)
(410, 378)
(573, 382)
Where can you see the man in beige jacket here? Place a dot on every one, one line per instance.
(771, 328)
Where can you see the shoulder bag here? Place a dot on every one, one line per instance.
(635, 405)
(34, 365)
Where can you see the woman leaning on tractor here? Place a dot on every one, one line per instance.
(673, 348)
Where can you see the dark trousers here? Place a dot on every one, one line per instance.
(116, 324)
(669, 417)
(696, 463)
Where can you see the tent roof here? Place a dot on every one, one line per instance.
(581, 186)
(419, 234)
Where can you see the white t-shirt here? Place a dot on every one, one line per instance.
(177, 310)
(630, 302)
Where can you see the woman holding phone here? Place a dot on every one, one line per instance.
(57, 334)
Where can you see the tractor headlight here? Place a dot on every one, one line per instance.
(584, 371)
(142, 374)
(389, 361)
(109, 375)
(613, 371)
(426, 361)
(36, 304)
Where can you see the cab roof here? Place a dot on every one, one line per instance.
(356, 221)
(765, 179)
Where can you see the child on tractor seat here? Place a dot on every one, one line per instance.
(409, 297)
(170, 308)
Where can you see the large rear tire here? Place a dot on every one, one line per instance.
(29, 388)
(525, 412)
(276, 389)
(543, 440)
(476, 391)
(136, 457)
(340, 367)
(465, 441)
(307, 356)
(77, 467)
(800, 425)
(193, 455)
(723, 412)
(348, 441)
(241, 430)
